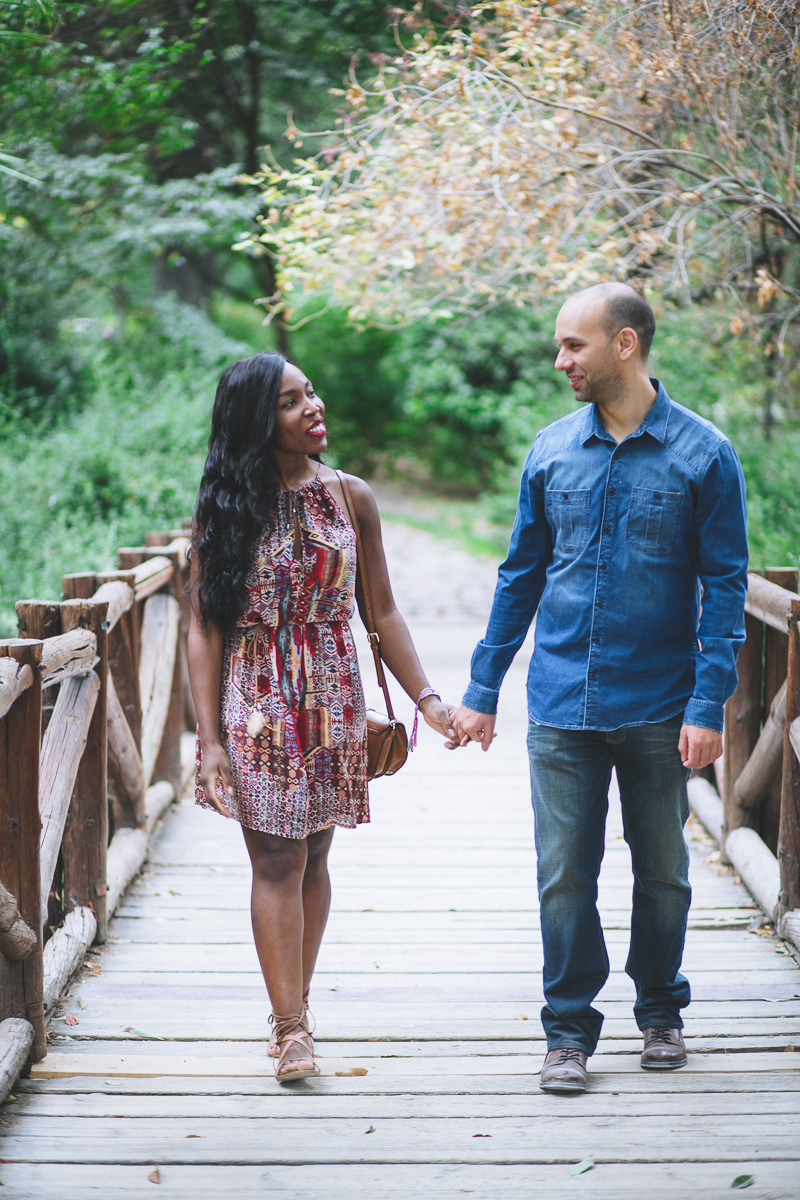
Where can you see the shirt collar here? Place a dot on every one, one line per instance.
(655, 423)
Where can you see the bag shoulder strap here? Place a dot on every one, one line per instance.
(361, 568)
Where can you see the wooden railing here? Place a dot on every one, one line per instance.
(755, 811)
(94, 699)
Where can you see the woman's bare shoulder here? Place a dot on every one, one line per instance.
(361, 491)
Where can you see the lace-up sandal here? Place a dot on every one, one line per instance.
(564, 1070)
(291, 1036)
(272, 1050)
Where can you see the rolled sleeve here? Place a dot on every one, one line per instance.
(721, 539)
(520, 582)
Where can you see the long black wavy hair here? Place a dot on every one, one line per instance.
(239, 487)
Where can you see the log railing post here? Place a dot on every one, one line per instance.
(743, 723)
(168, 763)
(20, 830)
(774, 675)
(86, 833)
(123, 657)
(789, 838)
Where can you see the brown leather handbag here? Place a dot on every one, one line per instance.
(387, 740)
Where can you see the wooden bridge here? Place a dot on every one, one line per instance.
(429, 984)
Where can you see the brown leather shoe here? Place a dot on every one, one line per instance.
(664, 1049)
(564, 1070)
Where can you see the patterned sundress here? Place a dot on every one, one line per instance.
(291, 657)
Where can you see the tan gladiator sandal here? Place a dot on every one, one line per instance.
(273, 1046)
(291, 1031)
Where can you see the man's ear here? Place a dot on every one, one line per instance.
(627, 343)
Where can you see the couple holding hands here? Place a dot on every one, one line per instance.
(630, 509)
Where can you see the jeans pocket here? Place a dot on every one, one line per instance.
(568, 516)
(654, 520)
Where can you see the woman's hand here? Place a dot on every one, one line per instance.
(216, 770)
(437, 715)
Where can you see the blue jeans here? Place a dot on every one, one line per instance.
(570, 776)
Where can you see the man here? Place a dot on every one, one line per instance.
(630, 509)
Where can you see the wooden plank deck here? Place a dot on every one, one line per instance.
(426, 1002)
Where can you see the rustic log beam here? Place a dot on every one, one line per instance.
(124, 765)
(768, 602)
(765, 762)
(789, 927)
(743, 723)
(86, 832)
(62, 748)
(175, 548)
(775, 655)
(14, 680)
(789, 836)
(129, 847)
(794, 736)
(159, 643)
(707, 807)
(65, 951)
(16, 1038)
(69, 654)
(152, 575)
(17, 939)
(20, 826)
(757, 867)
(119, 598)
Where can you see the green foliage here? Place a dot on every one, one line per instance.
(473, 391)
(129, 462)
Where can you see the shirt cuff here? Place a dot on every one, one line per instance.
(706, 714)
(481, 699)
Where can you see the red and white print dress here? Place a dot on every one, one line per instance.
(291, 658)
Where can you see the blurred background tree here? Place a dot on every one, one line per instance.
(466, 204)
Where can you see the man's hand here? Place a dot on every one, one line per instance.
(698, 747)
(471, 726)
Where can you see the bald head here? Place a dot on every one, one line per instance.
(620, 307)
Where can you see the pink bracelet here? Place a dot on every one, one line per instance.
(428, 691)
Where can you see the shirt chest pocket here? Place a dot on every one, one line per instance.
(654, 520)
(568, 516)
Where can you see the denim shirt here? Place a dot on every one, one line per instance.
(613, 544)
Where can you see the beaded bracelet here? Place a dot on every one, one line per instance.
(428, 691)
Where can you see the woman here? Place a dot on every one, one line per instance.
(274, 674)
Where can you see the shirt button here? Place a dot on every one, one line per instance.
(606, 529)
(593, 674)
(658, 497)
(602, 566)
(566, 495)
(612, 491)
(599, 603)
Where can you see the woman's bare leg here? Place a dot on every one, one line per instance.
(277, 913)
(316, 899)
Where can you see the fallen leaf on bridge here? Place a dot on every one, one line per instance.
(70, 1019)
(155, 1176)
(353, 1071)
(579, 1168)
(743, 1181)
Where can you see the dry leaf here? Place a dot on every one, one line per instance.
(194, 1135)
(155, 1175)
(370, 1130)
(70, 1019)
(481, 1135)
(579, 1168)
(522, 1017)
(353, 1071)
